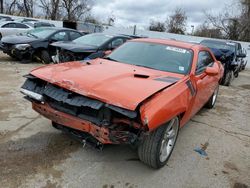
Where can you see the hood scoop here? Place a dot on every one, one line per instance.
(141, 76)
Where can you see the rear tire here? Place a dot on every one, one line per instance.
(228, 78)
(156, 148)
(211, 102)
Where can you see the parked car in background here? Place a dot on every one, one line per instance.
(25, 20)
(5, 18)
(40, 24)
(244, 60)
(35, 43)
(141, 94)
(227, 53)
(241, 55)
(88, 46)
(12, 28)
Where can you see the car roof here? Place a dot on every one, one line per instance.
(180, 44)
(57, 28)
(215, 41)
(6, 22)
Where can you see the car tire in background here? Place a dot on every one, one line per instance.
(226, 81)
(156, 148)
(1, 36)
(212, 100)
(45, 57)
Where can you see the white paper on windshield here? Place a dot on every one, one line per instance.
(176, 49)
(230, 43)
(181, 68)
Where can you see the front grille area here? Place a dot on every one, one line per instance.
(69, 102)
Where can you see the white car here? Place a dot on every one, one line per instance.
(12, 28)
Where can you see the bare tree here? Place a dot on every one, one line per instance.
(233, 26)
(10, 7)
(28, 8)
(176, 23)
(229, 25)
(75, 9)
(204, 30)
(51, 9)
(1, 6)
(157, 26)
(245, 20)
(92, 19)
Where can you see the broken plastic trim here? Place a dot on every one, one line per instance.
(128, 113)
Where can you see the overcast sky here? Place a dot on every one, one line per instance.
(140, 12)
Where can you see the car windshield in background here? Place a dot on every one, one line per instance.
(41, 32)
(154, 56)
(219, 45)
(93, 39)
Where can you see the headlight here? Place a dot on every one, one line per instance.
(22, 46)
(32, 94)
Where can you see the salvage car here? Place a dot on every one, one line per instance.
(230, 57)
(141, 94)
(11, 28)
(88, 46)
(34, 45)
(241, 55)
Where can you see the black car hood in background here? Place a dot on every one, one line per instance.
(19, 39)
(222, 54)
(75, 47)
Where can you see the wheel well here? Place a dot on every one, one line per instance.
(181, 115)
(37, 51)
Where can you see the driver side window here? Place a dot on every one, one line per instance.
(204, 60)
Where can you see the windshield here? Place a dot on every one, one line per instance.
(154, 56)
(93, 39)
(41, 32)
(219, 45)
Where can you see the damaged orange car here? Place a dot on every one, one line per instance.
(140, 94)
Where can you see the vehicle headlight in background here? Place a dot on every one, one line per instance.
(22, 46)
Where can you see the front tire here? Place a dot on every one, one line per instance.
(45, 57)
(156, 148)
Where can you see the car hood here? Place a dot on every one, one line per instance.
(19, 39)
(75, 47)
(114, 83)
(222, 54)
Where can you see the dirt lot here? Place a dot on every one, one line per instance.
(33, 154)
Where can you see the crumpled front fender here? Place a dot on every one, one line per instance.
(165, 105)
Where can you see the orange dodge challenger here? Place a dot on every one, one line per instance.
(140, 94)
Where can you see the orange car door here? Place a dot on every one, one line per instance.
(204, 84)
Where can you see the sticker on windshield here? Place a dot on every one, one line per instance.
(176, 49)
(181, 68)
(230, 43)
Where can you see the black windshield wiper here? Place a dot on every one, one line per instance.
(109, 58)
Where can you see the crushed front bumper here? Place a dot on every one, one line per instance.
(103, 134)
(100, 133)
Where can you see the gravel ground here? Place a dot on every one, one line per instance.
(33, 154)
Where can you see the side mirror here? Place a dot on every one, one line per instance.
(211, 71)
(241, 55)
